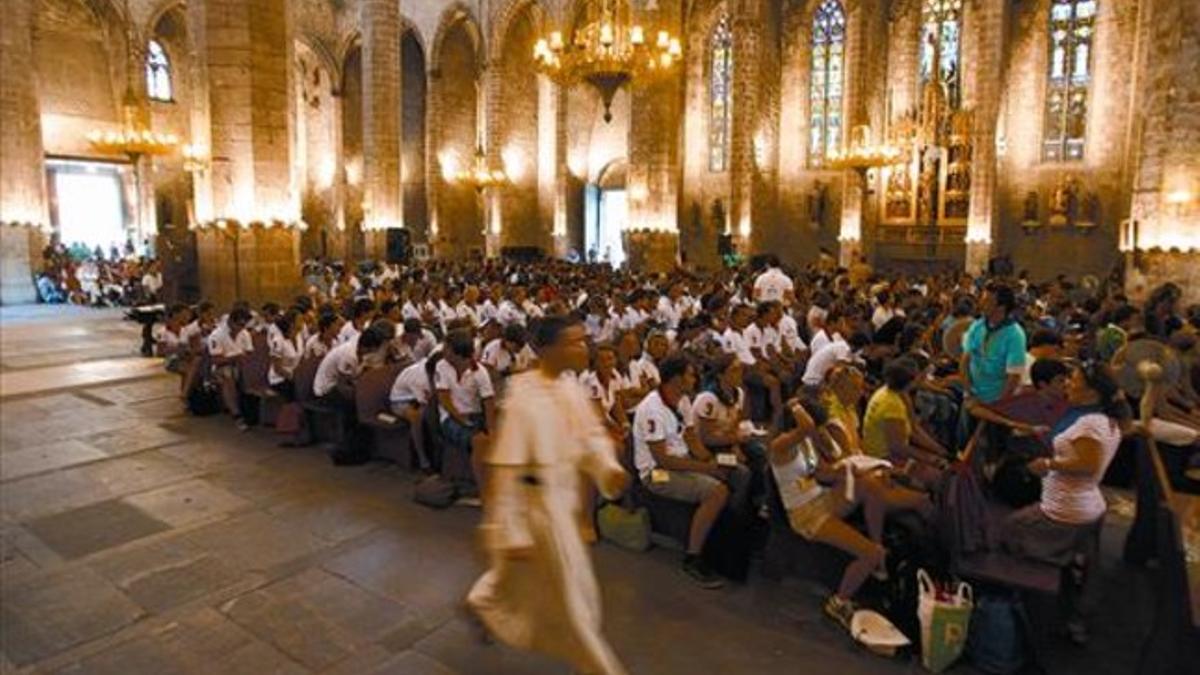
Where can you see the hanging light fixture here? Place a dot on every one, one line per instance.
(479, 174)
(134, 139)
(608, 52)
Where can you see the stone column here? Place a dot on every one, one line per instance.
(22, 173)
(490, 105)
(561, 238)
(433, 142)
(850, 236)
(747, 29)
(247, 49)
(989, 59)
(653, 184)
(382, 126)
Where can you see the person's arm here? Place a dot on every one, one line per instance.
(671, 463)
(489, 412)
(1085, 458)
(899, 445)
(986, 414)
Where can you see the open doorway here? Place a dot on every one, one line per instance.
(88, 204)
(606, 215)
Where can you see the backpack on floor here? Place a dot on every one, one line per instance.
(627, 528)
(204, 399)
(435, 492)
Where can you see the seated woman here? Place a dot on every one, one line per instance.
(719, 412)
(890, 430)
(812, 487)
(1062, 528)
(169, 342)
(286, 349)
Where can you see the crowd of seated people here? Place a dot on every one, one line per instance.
(849, 393)
(80, 276)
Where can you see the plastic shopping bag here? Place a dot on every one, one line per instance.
(945, 617)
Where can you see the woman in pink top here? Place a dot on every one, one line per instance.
(1063, 527)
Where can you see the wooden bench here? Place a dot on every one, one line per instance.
(323, 422)
(390, 435)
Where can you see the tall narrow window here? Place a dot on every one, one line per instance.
(720, 117)
(825, 88)
(941, 41)
(1072, 25)
(158, 72)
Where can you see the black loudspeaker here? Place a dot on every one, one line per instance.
(399, 248)
(724, 244)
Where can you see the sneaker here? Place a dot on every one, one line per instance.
(241, 424)
(701, 575)
(474, 502)
(841, 611)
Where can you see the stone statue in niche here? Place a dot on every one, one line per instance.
(1029, 219)
(1089, 212)
(816, 204)
(1064, 201)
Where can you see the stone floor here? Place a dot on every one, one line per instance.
(137, 540)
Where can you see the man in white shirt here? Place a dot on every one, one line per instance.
(512, 310)
(773, 284)
(465, 398)
(225, 349)
(509, 354)
(837, 351)
(410, 395)
(415, 342)
(675, 465)
(645, 369)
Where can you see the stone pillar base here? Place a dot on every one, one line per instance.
(17, 254)
(978, 254)
(848, 251)
(375, 243)
(651, 250)
(1146, 270)
(256, 265)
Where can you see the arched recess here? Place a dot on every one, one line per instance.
(515, 127)
(606, 213)
(352, 151)
(455, 135)
(412, 145)
(315, 159)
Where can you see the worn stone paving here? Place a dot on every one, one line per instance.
(134, 539)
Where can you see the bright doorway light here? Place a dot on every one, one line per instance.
(90, 207)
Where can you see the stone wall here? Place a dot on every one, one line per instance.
(513, 114)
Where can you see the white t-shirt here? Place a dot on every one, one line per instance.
(509, 313)
(169, 339)
(708, 406)
(654, 421)
(349, 332)
(287, 352)
(668, 312)
(411, 385)
(1076, 500)
(496, 357)
(819, 364)
(597, 391)
(467, 392)
(883, 315)
(736, 343)
(469, 312)
(221, 343)
(815, 313)
(789, 333)
(821, 340)
(644, 372)
(340, 364)
(633, 317)
(314, 347)
(772, 284)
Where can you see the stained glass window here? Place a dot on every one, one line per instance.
(720, 95)
(158, 72)
(1072, 26)
(825, 87)
(941, 36)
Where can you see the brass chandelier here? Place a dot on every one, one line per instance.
(479, 175)
(608, 52)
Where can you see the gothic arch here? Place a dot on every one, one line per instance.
(458, 14)
(502, 24)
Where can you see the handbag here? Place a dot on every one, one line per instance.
(945, 618)
(627, 528)
(204, 399)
